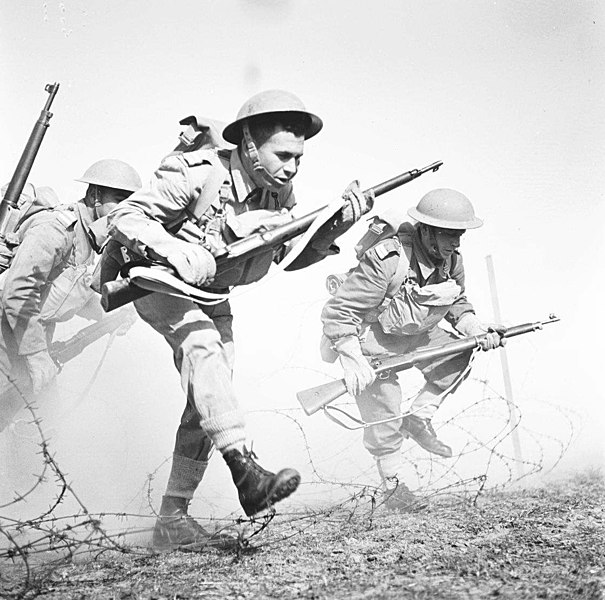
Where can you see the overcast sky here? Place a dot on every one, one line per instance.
(509, 94)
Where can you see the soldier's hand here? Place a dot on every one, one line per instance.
(494, 338)
(357, 203)
(471, 326)
(41, 368)
(358, 373)
(193, 262)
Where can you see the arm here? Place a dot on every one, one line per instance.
(462, 316)
(363, 290)
(45, 246)
(462, 306)
(139, 222)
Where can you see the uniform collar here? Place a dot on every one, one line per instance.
(242, 183)
(425, 262)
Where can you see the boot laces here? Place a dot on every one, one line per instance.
(429, 427)
(251, 458)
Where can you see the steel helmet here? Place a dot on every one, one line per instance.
(268, 102)
(112, 173)
(445, 208)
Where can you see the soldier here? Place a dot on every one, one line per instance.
(48, 280)
(361, 323)
(197, 202)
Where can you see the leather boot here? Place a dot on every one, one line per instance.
(258, 488)
(176, 530)
(398, 497)
(422, 432)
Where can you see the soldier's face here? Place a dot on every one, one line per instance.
(442, 243)
(280, 155)
(106, 199)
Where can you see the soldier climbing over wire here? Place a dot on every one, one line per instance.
(51, 256)
(391, 304)
(199, 200)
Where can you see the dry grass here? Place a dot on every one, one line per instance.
(545, 542)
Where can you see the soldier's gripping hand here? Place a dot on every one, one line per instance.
(41, 368)
(356, 203)
(193, 262)
(471, 326)
(358, 373)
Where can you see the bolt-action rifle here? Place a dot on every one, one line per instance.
(313, 399)
(12, 391)
(65, 350)
(8, 205)
(117, 293)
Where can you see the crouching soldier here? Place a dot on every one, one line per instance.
(48, 280)
(198, 201)
(363, 320)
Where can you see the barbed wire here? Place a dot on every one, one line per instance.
(37, 545)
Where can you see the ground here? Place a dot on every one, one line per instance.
(538, 542)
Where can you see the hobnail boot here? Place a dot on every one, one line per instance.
(176, 530)
(258, 488)
(422, 432)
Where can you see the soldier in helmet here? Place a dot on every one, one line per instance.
(361, 323)
(197, 202)
(48, 280)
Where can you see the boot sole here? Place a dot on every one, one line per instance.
(281, 489)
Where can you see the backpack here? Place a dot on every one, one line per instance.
(31, 201)
(382, 227)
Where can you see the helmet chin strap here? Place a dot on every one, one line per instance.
(251, 156)
(433, 248)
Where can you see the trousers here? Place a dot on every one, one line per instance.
(382, 399)
(201, 339)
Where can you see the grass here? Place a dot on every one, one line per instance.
(543, 542)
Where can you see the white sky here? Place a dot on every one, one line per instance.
(507, 93)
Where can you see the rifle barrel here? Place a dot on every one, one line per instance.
(118, 293)
(315, 398)
(19, 178)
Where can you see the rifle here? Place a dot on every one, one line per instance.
(117, 293)
(318, 397)
(13, 390)
(8, 205)
(65, 350)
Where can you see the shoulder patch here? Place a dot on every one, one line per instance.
(387, 247)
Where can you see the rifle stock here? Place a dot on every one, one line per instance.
(118, 293)
(316, 398)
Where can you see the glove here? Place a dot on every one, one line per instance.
(469, 325)
(358, 373)
(357, 203)
(41, 368)
(192, 262)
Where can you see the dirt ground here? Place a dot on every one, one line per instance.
(544, 542)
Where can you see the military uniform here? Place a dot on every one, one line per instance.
(47, 282)
(361, 294)
(201, 338)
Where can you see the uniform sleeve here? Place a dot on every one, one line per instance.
(139, 221)
(43, 249)
(462, 305)
(364, 289)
